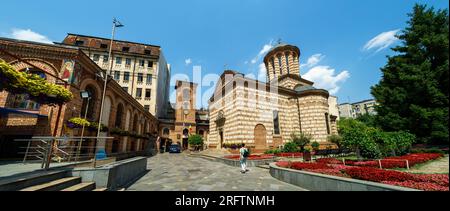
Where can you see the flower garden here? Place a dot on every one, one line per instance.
(370, 171)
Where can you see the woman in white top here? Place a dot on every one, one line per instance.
(243, 158)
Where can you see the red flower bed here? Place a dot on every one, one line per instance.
(427, 186)
(378, 175)
(309, 166)
(397, 162)
(251, 157)
(418, 158)
(441, 179)
(329, 161)
(427, 182)
(292, 154)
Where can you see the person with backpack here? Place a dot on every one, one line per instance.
(244, 154)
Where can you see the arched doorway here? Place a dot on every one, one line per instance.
(260, 137)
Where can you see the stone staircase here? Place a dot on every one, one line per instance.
(56, 180)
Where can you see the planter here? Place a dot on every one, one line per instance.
(307, 156)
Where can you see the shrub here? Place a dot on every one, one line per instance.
(36, 87)
(78, 122)
(315, 145)
(434, 150)
(335, 139)
(291, 147)
(195, 140)
(301, 140)
(273, 151)
(378, 175)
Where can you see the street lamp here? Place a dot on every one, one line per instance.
(116, 24)
(84, 95)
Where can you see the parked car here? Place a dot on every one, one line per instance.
(175, 148)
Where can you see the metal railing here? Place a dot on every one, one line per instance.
(61, 149)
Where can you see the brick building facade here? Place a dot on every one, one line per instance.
(184, 119)
(22, 118)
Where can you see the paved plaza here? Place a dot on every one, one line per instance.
(180, 172)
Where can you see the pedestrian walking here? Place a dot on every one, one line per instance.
(244, 153)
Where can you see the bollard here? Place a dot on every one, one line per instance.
(379, 162)
(407, 164)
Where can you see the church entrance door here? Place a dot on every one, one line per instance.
(260, 137)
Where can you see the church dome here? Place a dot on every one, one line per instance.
(282, 59)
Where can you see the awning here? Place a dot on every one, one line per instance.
(6, 111)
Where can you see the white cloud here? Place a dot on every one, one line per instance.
(262, 70)
(27, 34)
(188, 61)
(265, 49)
(382, 41)
(324, 77)
(313, 60)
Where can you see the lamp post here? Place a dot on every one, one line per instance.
(84, 95)
(116, 24)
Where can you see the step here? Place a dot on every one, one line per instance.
(56, 185)
(101, 189)
(18, 182)
(85, 186)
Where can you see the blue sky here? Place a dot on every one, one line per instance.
(333, 35)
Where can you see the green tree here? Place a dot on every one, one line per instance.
(367, 119)
(336, 139)
(413, 94)
(301, 140)
(196, 141)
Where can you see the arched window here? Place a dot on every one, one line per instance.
(287, 62)
(91, 109)
(272, 61)
(186, 94)
(166, 132)
(280, 63)
(119, 116)
(135, 123)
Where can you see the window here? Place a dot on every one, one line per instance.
(147, 108)
(142, 63)
(148, 94)
(276, 123)
(139, 93)
(150, 64)
(140, 78)
(96, 57)
(79, 42)
(128, 61)
(280, 64)
(126, 49)
(105, 58)
(147, 52)
(104, 46)
(125, 88)
(273, 67)
(119, 116)
(118, 60)
(126, 76)
(186, 94)
(116, 75)
(287, 62)
(149, 79)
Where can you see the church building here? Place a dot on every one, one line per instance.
(263, 115)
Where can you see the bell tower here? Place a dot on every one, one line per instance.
(283, 59)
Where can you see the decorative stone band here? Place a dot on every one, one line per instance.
(320, 182)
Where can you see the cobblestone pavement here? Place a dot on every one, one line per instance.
(180, 172)
(434, 167)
